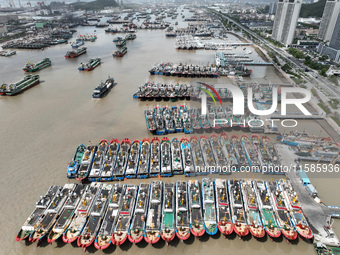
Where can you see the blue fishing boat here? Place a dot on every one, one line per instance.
(75, 163)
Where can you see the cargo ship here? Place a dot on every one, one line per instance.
(76, 53)
(20, 86)
(38, 66)
(103, 88)
(120, 53)
(90, 65)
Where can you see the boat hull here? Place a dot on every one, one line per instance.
(226, 228)
(241, 229)
(152, 238)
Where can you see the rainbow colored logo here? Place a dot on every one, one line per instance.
(209, 93)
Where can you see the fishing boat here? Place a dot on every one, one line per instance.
(251, 153)
(7, 53)
(20, 86)
(86, 163)
(122, 159)
(176, 156)
(168, 120)
(187, 125)
(269, 148)
(117, 39)
(188, 165)
(90, 65)
(239, 151)
(103, 88)
(298, 218)
(76, 53)
(208, 154)
(82, 212)
(160, 128)
(155, 156)
(220, 154)
(91, 228)
(133, 160)
(103, 239)
(120, 53)
(98, 161)
(144, 159)
(251, 206)
(126, 211)
(48, 219)
(228, 150)
(73, 166)
(38, 66)
(197, 156)
(237, 209)
(224, 219)
(29, 225)
(166, 167)
(182, 211)
(209, 206)
(131, 37)
(196, 214)
(168, 227)
(177, 119)
(203, 120)
(110, 160)
(67, 214)
(150, 121)
(281, 211)
(77, 44)
(121, 43)
(266, 210)
(153, 221)
(137, 227)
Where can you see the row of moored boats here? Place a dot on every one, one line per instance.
(117, 160)
(105, 214)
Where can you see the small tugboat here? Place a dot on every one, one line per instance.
(77, 53)
(176, 157)
(182, 212)
(110, 160)
(126, 210)
(252, 209)
(73, 166)
(120, 53)
(133, 160)
(144, 160)
(150, 121)
(67, 214)
(281, 211)
(237, 210)
(155, 155)
(103, 239)
(51, 214)
(188, 165)
(153, 221)
(16, 88)
(166, 168)
(225, 222)
(103, 88)
(82, 212)
(197, 156)
(209, 206)
(266, 210)
(91, 228)
(38, 66)
(122, 159)
(86, 163)
(208, 154)
(137, 227)
(168, 226)
(29, 226)
(196, 214)
(90, 65)
(98, 161)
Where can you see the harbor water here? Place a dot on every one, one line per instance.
(41, 128)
